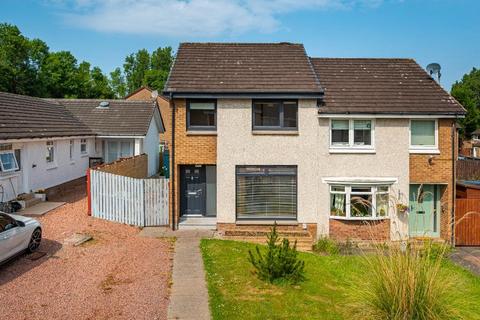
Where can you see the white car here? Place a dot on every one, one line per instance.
(17, 234)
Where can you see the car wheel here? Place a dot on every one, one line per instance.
(35, 240)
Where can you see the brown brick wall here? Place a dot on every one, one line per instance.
(133, 167)
(433, 169)
(342, 230)
(189, 149)
(311, 228)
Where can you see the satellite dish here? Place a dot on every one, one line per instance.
(154, 94)
(434, 69)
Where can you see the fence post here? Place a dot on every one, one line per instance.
(89, 194)
(143, 203)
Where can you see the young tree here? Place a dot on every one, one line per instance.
(467, 92)
(117, 83)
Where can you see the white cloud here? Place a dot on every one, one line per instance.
(191, 18)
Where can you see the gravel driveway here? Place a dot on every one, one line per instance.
(117, 275)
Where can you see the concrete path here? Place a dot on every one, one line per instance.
(189, 295)
(468, 257)
(40, 209)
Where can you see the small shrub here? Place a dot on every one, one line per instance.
(404, 282)
(279, 262)
(326, 245)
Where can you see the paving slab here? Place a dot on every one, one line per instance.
(468, 257)
(40, 209)
(189, 294)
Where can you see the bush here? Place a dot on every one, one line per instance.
(279, 262)
(326, 245)
(403, 282)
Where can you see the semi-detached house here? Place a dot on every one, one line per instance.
(350, 148)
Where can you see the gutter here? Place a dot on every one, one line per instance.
(454, 187)
(172, 166)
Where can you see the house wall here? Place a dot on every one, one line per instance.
(36, 174)
(151, 148)
(390, 160)
(437, 169)
(190, 148)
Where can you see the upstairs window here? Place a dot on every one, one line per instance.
(83, 146)
(275, 115)
(201, 115)
(423, 135)
(50, 155)
(349, 133)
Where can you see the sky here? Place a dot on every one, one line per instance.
(103, 32)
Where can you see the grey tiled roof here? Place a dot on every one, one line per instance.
(242, 68)
(381, 86)
(29, 117)
(121, 117)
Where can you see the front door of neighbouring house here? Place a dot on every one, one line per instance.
(193, 190)
(424, 216)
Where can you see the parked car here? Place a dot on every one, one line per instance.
(17, 234)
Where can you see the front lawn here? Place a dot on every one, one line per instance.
(235, 293)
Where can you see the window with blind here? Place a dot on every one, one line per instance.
(423, 134)
(266, 192)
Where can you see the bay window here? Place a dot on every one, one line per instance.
(424, 135)
(351, 134)
(359, 202)
(266, 192)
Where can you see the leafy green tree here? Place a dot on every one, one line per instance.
(117, 83)
(100, 86)
(144, 69)
(20, 59)
(59, 75)
(467, 92)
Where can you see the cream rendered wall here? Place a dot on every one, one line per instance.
(236, 145)
(390, 160)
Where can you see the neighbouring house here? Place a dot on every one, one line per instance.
(147, 94)
(45, 143)
(471, 147)
(262, 133)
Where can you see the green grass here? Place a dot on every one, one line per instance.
(235, 293)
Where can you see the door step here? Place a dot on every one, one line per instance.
(206, 223)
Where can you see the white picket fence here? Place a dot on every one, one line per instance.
(140, 202)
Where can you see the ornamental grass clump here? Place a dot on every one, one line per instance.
(279, 262)
(403, 282)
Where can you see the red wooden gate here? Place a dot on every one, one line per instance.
(467, 222)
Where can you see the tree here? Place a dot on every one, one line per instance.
(143, 69)
(117, 83)
(20, 59)
(467, 92)
(59, 75)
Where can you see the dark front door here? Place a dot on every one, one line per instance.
(194, 189)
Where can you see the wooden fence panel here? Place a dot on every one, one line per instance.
(468, 169)
(467, 222)
(140, 202)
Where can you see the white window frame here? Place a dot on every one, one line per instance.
(72, 149)
(351, 147)
(84, 142)
(432, 149)
(14, 158)
(53, 145)
(348, 192)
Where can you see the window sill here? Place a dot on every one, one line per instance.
(84, 155)
(201, 133)
(52, 167)
(9, 175)
(267, 222)
(275, 132)
(359, 218)
(424, 151)
(352, 150)
(72, 162)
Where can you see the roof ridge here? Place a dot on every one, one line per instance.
(244, 43)
(360, 58)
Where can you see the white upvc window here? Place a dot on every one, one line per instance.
(359, 202)
(50, 152)
(424, 136)
(8, 161)
(83, 146)
(352, 135)
(72, 149)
